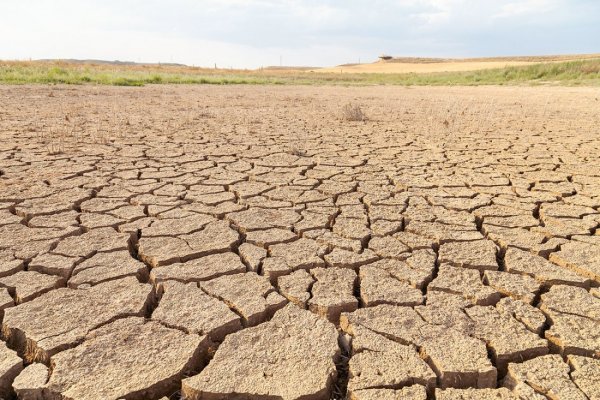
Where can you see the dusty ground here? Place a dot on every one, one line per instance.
(213, 241)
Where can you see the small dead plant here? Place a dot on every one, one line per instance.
(353, 112)
(55, 148)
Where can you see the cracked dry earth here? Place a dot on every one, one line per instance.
(247, 243)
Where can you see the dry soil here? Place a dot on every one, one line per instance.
(251, 243)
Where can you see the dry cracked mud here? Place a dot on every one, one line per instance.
(243, 242)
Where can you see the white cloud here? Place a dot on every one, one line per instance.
(251, 33)
(525, 7)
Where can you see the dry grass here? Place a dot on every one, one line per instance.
(581, 72)
(353, 112)
(419, 65)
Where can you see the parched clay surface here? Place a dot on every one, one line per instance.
(249, 243)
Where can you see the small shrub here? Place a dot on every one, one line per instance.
(121, 81)
(353, 112)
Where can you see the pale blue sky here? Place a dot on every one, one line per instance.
(253, 33)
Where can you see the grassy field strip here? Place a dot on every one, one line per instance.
(569, 73)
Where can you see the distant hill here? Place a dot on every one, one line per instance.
(106, 62)
(402, 65)
(546, 58)
(280, 68)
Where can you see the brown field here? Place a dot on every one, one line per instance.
(418, 65)
(269, 242)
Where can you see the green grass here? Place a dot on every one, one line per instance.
(571, 73)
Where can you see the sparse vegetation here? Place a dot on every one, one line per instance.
(582, 72)
(353, 112)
